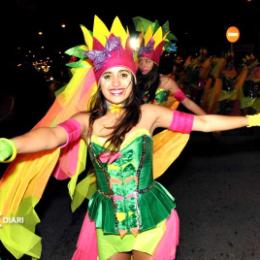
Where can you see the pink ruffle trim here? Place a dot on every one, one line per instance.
(87, 241)
(166, 249)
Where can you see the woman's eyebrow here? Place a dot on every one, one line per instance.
(124, 70)
(106, 73)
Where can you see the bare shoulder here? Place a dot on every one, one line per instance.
(164, 79)
(167, 82)
(147, 107)
(154, 116)
(81, 116)
(152, 110)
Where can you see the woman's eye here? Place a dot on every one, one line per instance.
(124, 75)
(106, 76)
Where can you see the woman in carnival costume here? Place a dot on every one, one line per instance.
(158, 88)
(130, 214)
(250, 91)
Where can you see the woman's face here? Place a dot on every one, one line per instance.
(116, 84)
(145, 65)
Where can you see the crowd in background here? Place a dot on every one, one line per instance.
(220, 84)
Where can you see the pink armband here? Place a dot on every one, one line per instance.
(73, 130)
(179, 95)
(181, 122)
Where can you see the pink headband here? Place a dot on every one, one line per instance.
(112, 55)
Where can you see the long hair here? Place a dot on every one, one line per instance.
(130, 118)
(148, 84)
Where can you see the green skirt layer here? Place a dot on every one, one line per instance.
(155, 205)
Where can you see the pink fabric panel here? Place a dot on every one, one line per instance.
(166, 249)
(87, 241)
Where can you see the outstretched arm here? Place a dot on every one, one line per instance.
(185, 123)
(177, 93)
(210, 123)
(40, 139)
(34, 141)
(45, 138)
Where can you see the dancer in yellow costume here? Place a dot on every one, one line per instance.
(129, 214)
(250, 91)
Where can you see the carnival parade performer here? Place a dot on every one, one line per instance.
(129, 214)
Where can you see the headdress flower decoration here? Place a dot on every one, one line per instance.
(147, 49)
(104, 48)
(98, 57)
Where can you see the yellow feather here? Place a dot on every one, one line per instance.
(87, 37)
(148, 35)
(118, 30)
(158, 37)
(100, 31)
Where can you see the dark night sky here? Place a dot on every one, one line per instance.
(195, 23)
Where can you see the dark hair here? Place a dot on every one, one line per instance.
(148, 84)
(130, 118)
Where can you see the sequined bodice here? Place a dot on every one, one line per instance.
(124, 182)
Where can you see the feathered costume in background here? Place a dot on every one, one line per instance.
(157, 38)
(145, 26)
(24, 181)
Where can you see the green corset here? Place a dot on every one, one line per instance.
(127, 198)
